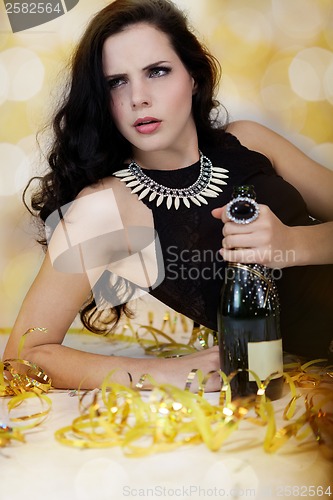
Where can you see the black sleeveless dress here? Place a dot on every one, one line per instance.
(194, 269)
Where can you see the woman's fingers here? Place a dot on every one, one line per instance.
(264, 241)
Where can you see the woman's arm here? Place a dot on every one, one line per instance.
(268, 237)
(53, 302)
(312, 180)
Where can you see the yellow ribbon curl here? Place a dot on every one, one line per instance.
(169, 417)
(21, 386)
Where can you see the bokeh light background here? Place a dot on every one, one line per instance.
(277, 60)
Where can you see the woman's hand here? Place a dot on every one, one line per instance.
(176, 370)
(264, 241)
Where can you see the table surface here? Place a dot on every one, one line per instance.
(44, 468)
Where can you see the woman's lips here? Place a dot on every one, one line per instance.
(147, 125)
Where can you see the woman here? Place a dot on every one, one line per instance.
(139, 117)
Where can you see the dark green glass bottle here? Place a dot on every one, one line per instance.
(249, 315)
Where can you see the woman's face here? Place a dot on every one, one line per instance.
(150, 90)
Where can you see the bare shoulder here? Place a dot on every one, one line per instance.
(111, 198)
(313, 181)
(257, 137)
(244, 127)
(100, 186)
(249, 128)
(93, 203)
(279, 149)
(240, 127)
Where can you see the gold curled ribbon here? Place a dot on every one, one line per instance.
(169, 417)
(35, 379)
(161, 344)
(22, 340)
(7, 434)
(168, 348)
(21, 386)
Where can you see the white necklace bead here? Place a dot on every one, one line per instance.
(206, 186)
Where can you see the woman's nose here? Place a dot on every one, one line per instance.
(140, 95)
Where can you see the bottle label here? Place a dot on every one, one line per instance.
(265, 358)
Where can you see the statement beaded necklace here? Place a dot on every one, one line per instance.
(206, 186)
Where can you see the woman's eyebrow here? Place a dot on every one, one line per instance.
(149, 66)
(154, 64)
(115, 75)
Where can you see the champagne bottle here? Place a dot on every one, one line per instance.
(249, 315)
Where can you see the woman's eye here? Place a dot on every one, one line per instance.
(115, 82)
(159, 71)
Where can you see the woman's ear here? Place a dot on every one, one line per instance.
(194, 86)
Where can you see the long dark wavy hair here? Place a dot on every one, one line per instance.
(87, 146)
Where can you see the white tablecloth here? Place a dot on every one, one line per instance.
(44, 468)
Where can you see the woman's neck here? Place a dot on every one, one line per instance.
(169, 159)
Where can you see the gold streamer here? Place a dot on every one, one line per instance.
(33, 382)
(169, 417)
(7, 434)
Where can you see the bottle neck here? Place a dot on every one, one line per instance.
(246, 191)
